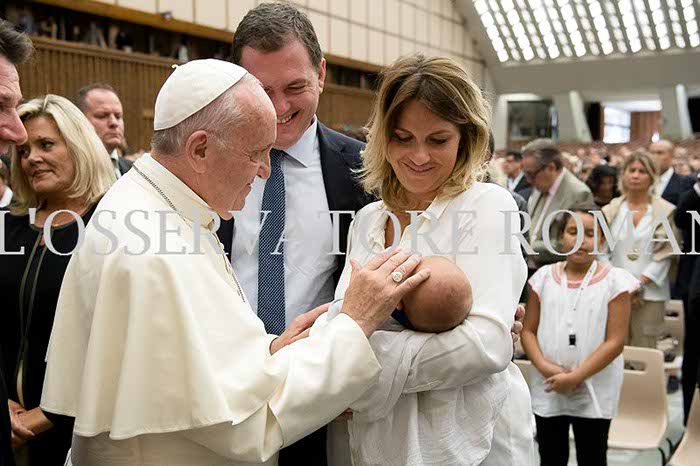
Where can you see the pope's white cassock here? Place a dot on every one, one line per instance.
(157, 354)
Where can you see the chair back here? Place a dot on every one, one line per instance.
(525, 367)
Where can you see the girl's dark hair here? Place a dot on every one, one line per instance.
(600, 172)
(559, 224)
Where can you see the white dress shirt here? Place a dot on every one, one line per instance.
(308, 266)
(659, 289)
(599, 395)
(114, 158)
(513, 182)
(6, 197)
(663, 181)
(445, 394)
(156, 352)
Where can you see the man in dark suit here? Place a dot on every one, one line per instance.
(513, 168)
(101, 105)
(671, 185)
(15, 49)
(687, 203)
(311, 173)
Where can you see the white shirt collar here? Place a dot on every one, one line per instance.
(666, 177)
(114, 155)
(187, 203)
(513, 182)
(303, 151)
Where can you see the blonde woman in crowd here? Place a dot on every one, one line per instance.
(58, 175)
(453, 397)
(634, 218)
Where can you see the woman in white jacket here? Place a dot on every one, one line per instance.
(455, 397)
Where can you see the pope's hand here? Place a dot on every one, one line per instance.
(299, 328)
(20, 433)
(372, 294)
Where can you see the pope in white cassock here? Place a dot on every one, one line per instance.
(155, 350)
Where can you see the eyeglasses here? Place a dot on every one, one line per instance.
(531, 175)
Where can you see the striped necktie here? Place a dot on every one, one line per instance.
(271, 303)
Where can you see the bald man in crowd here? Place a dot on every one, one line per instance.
(15, 49)
(671, 185)
(101, 104)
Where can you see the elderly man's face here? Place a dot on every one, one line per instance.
(105, 112)
(11, 128)
(542, 177)
(662, 152)
(244, 152)
(293, 85)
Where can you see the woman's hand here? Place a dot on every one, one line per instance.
(20, 433)
(636, 299)
(564, 383)
(372, 294)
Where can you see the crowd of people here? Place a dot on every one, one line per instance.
(248, 327)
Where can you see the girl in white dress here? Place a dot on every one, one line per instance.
(575, 328)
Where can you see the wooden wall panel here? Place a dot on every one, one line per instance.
(64, 67)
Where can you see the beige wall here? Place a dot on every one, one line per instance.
(373, 31)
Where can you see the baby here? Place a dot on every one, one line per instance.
(440, 303)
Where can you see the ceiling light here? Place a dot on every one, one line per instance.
(677, 29)
(539, 15)
(576, 38)
(686, 3)
(607, 48)
(694, 40)
(628, 19)
(563, 2)
(535, 3)
(586, 24)
(594, 49)
(664, 42)
(654, 4)
(515, 54)
(523, 42)
(604, 35)
(567, 12)
(557, 26)
(624, 5)
(595, 9)
(492, 32)
(599, 22)
(632, 33)
(658, 16)
(618, 34)
(673, 15)
(500, 19)
(635, 45)
(643, 19)
(541, 53)
(590, 37)
(567, 51)
(610, 8)
(614, 22)
(487, 19)
(494, 5)
(580, 50)
(549, 40)
(689, 13)
(552, 13)
(661, 30)
(528, 54)
(563, 38)
(536, 40)
(518, 30)
(498, 44)
(480, 6)
(680, 42)
(692, 27)
(553, 52)
(545, 28)
(622, 46)
(505, 32)
(507, 5)
(503, 56)
(510, 42)
(513, 17)
(650, 44)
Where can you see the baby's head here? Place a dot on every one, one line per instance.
(443, 301)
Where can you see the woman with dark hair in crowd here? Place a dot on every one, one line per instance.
(61, 171)
(603, 184)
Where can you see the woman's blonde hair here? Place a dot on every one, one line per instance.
(647, 162)
(94, 173)
(445, 89)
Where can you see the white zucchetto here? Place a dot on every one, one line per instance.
(192, 87)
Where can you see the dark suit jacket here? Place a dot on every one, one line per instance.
(689, 269)
(676, 186)
(340, 155)
(124, 165)
(523, 188)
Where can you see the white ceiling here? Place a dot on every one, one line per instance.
(560, 45)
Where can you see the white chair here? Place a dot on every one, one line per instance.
(674, 326)
(525, 367)
(642, 417)
(688, 452)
